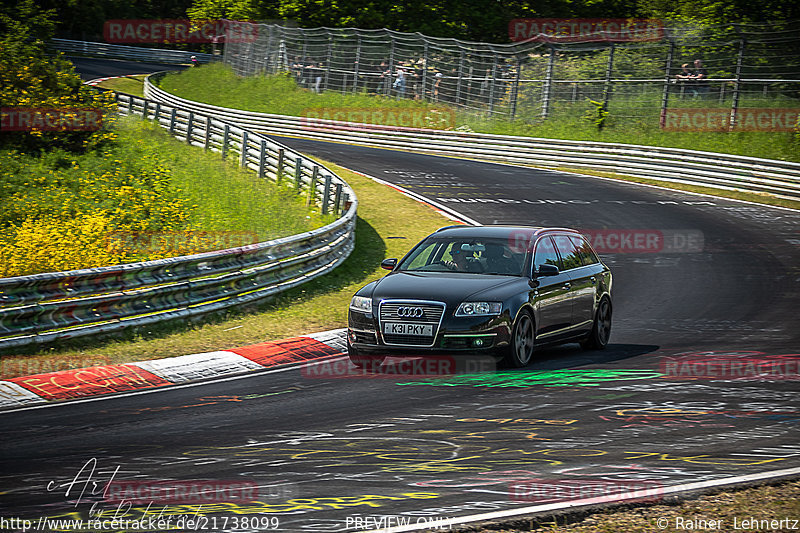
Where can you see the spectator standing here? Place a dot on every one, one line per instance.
(400, 83)
(700, 78)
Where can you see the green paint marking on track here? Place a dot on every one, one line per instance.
(547, 378)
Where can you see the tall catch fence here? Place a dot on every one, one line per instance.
(749, 66)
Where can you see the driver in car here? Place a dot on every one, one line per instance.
(463, 259)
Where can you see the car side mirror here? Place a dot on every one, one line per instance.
(389, 264)
(547, 270)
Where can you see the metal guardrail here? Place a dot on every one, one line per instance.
(780, 179)
(134, 53)
(55, 306)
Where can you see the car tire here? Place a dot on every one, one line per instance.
(601, 327)
(369, 362)
(523, 342)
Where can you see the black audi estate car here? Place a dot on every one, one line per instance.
(496, 290)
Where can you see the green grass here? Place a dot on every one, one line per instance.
(216, 84)
(129, 84)
(228, 198)
(316, 306)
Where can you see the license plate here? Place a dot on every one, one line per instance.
(401, 328)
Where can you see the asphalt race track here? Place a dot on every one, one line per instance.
(699, 383)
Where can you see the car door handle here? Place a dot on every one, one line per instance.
(593, 279)
(567, 286)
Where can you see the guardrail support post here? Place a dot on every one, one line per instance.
(207, 139)
(298, 174)
(243, 154)
(279, 166)
(226, 133)
(326, 195)
(262, 159)
(157, 113)
(144, 109)
(337, 208)
(312, 188)
(172, 118)
(130, 105)
(189, 128)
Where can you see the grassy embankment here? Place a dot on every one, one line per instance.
(216, 84)
(142, 196)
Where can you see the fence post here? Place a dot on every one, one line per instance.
(460, 78)
(130, 105)
(492, 85)
(157, 113)
(207, 139)
(279, 166)
(390, 79)
(312, 188)
(424, 70)
(172, 117)
(328, 61)
(144, 109)
(737, 86)
(337, 200)
(262, 159)
(326, 195)
(226, 133)
(298, 173)
(609, 70)
(189, 126)
(515, 89)
(548, 82)
(268, 55)
(357, 63)
(667, 76)
(243, 154)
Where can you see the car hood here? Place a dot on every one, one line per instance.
(451, 288)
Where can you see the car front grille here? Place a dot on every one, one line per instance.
(424, 312)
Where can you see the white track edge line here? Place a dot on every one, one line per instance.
(442, 523)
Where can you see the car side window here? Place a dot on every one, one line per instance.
(422, 257)
(568, 251)
(588, 257)
(545, 254)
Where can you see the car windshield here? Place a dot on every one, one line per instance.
(477, 256)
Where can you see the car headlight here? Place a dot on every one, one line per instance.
(361, 304)
(479, 308)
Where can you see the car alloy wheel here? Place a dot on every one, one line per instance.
(522, 342)
(601, 329)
